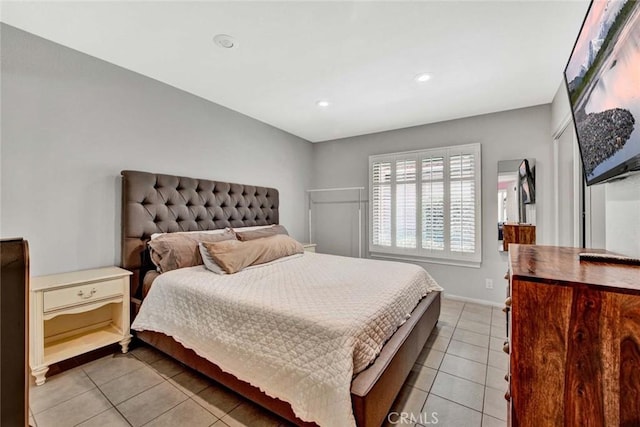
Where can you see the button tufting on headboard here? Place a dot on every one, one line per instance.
(156, 203)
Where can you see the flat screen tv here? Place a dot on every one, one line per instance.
(527, 186)
(603, 82)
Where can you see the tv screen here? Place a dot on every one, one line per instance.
(603, 82)
(527, 183)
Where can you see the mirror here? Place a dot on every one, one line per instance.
(516, 194)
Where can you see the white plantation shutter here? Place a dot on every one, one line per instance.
(426, 204)
(406, 203)
(433, 203)
(462, 203)
(381, 203)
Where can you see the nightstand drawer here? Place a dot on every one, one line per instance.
(75, 295)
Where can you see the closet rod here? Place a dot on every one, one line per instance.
(316, 190)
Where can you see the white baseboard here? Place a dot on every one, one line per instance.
(473, 300)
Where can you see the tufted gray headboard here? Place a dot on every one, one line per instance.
(155, 203)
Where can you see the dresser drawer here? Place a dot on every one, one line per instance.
(81, 294)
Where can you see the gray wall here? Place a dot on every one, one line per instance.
(504, 136)
(71, 123)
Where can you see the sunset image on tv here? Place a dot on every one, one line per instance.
(603, 80)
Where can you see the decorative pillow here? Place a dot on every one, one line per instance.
(234, 255)
(208, 261)
(260, 233)
(178, 250)
(251, 228)
(217, 231)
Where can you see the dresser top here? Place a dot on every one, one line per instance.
(555, 264)
(51, 281)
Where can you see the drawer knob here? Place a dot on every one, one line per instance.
(505, 347)
(507, 396)
(505, 310)
(507, 302)
(506, 377)
(88, 295)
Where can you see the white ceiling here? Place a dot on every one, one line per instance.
(361, 56)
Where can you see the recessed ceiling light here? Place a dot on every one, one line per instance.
(423, 77)
(225, 41)
(323, 104)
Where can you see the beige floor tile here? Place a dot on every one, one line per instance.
(449, 303)
(74, 411)
(448, 320)
(448, 311)
(476, 317)
(498, 319)
(468, 351)
(495, 378)
(472, 326)
(108, 418)
(481, 340)
(488, 421)
(147, 354)
(458, 390)
(421, 377)
(464, 368)
(58, 389)
(32, 421)
(430, 357)
(447, 413)
(251, 415)
(499, 359)
(494, 403)
(496, 343)
(442, 331)
(188, 413)
(167, 367)
(127, 386)
(110, 367)
(190, 382)
(149, 404)
(438, 343)
(477, 308)
(499, 330)
(219, 423)
(218, 400)
(410, 401)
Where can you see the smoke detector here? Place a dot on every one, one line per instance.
(225, 41)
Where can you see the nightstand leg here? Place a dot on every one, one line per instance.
(124, 343)
(39, 374)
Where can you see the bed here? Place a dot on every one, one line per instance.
(155, 203)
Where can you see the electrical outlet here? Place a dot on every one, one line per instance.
(488, 283)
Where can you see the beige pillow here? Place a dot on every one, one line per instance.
(179, 250)
(234, 255)
(261, 233)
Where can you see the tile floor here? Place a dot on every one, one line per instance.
(459, 376)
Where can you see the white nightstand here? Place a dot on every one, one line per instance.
(309, 247)
(73, 313)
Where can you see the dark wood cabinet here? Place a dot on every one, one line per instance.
(14, 294)
(524, 234)
(575, 340)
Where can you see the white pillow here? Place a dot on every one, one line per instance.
(208, 261)
(216, 231)
(255, 227)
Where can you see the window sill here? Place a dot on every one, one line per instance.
(429, 260)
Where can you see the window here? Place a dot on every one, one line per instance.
(426, 204)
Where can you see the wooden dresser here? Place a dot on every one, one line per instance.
(524, 234)
(575, 339)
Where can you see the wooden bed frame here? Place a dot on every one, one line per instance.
(153, 203)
